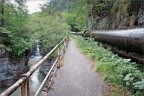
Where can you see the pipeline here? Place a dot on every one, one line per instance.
(130, 40)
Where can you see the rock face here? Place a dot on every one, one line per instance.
(141, 15)
(117, 14)
(102, 23)
(46, 66)
(9, 72)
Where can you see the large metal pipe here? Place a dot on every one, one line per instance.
(129, 39)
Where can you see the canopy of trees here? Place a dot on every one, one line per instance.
(20, 30)
(13, 31)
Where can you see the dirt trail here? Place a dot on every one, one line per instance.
(76, 77)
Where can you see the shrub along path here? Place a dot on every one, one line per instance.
(77, 77)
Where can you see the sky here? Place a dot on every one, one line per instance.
(34, 5)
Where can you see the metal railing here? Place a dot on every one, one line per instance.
(23, 82)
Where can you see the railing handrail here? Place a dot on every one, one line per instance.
(25, 76)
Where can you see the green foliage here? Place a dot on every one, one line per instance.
(50, 25)
(59, 5)
(3, 38)
(49, 30)
(101, 8)
(139, 85)
(78, 15)
(76, 11)
(115, 69)
(73, 22)
(26, 29)
(14, 35)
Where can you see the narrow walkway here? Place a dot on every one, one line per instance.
(76, 77)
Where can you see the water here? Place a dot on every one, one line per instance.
(36, 78)
(37, 50)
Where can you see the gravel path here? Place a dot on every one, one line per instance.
(76, 77)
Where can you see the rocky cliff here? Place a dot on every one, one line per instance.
(111, 14)
(10, 72)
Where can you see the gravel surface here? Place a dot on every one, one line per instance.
(76, 77)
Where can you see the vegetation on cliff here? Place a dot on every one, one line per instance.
(104, 14)
(108, 14)
(14, 34)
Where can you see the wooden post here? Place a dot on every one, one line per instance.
(67, 40)
(65, 44)
(25, 88)
(58, 63)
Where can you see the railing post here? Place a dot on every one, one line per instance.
(65, 45)
(58, 63)
(67, 40)
(25, 88)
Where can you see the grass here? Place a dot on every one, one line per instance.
(115, 70)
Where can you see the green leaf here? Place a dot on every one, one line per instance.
(127, 77)
(139, 84)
